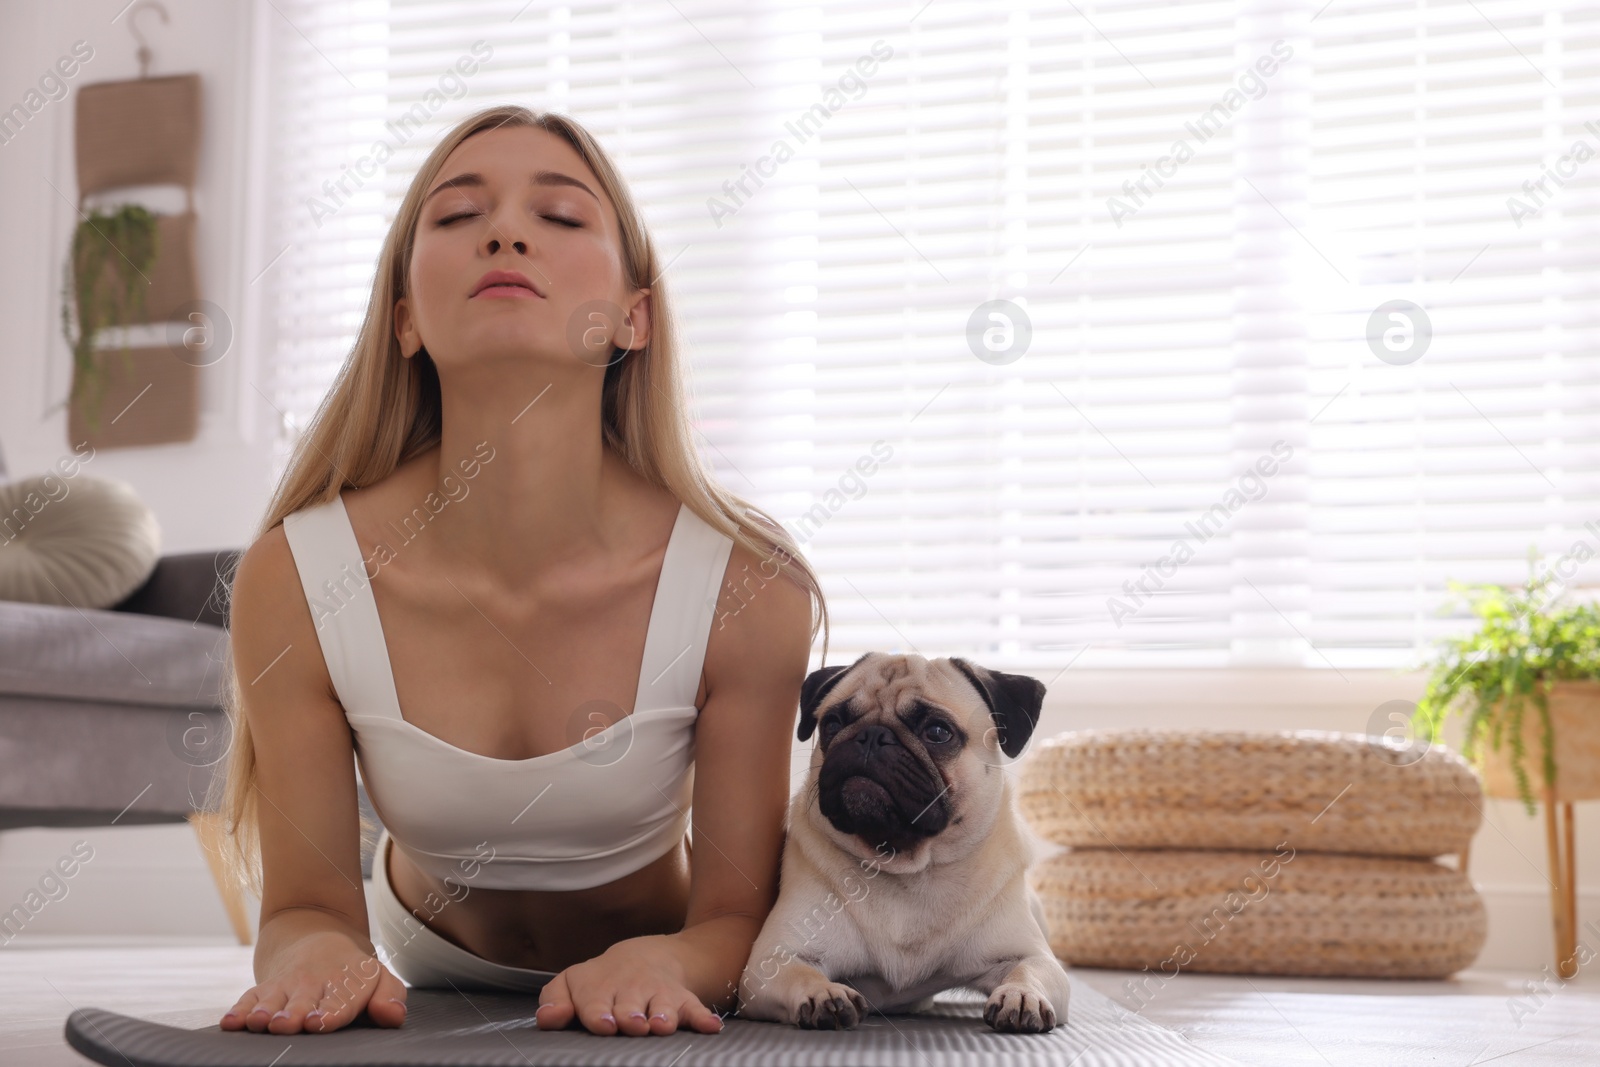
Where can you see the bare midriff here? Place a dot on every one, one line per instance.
(545, 930)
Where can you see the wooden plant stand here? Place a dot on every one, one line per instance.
(1575, 719)
(1561, 843)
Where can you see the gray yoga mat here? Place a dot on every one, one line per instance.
(473, 1029)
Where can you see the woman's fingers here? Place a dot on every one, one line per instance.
(271, 1000)
(383, 998)
(300, 1005)
(697, 1016)
(667, 1010)
(555, 1009)
(288, 1019)
(662, 1014)
(234, 1017)
(388, 1004)
(596, 1015)
(630, 1011)
(335, 1009)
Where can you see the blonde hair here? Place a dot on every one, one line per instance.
(384, 409)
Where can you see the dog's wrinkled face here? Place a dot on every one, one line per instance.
(909, 753)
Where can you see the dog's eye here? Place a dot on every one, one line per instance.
(830, 727)
(937, 733)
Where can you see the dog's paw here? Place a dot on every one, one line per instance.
(830, 1007)
(1018, 1009)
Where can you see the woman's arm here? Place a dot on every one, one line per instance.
(314, 950)
(755, 663)
(744, 739)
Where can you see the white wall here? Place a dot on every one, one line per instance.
(207, 493)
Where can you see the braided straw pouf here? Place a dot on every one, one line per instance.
(1272, 912)
(1326, 792)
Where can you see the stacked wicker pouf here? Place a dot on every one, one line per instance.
(1292, 853)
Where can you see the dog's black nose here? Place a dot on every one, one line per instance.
(872, 737)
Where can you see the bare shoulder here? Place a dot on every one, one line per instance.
(262, 582)
(274, 639)
(761, 631)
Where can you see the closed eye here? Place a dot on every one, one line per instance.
(448, 219)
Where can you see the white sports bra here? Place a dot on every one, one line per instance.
(572, 819)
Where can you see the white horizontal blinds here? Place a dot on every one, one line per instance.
(733, 226)
(911, 184)
(1267, 487)
(1020, 497)
(329, 83)
(1426, 123)
(1165, 309)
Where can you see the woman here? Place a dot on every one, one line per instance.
(503, 475)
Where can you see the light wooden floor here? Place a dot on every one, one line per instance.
(1477, 1018)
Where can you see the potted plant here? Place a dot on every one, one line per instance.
(1529, 680)
(1530, 654)
(107, 273)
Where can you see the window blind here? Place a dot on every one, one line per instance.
(1100, 334)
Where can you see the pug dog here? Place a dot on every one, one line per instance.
(904, 868)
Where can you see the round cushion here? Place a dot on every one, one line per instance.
(79, 541)
(1280, 912)
(1320, 791)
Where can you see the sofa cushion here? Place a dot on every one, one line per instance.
(94, 760)
(115, 656)
(192, 586)
(81, 541)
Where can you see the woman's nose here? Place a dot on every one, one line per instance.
(505, 229)
(495, 243)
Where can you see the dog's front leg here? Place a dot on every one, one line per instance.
(1026, 996)
(789, 984)
(797, 992)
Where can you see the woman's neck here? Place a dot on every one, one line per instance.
(545, 487)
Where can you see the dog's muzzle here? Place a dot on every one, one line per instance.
(870, 786)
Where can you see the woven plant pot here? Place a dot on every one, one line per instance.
(1575, 720)
(1280, 913)
(1323, 792)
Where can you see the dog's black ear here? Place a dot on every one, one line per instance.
(1014, 701)
(816, 686)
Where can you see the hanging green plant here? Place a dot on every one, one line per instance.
(1527, 642)
(107, 273)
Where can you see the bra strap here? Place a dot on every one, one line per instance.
(681, 617)
(339, 593)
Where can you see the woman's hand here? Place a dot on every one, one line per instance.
(635, 987)
(325, 983)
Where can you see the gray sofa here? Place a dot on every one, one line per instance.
(114, 716)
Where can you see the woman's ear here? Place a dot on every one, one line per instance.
(405, 329)
(638, 322)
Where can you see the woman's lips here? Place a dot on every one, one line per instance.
(507, 289)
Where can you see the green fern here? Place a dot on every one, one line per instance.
(1525, 643)
(107, 273)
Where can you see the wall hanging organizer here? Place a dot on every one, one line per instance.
(129, 266)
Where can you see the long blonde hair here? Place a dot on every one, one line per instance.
(384, 409)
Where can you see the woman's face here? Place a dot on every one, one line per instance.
(518, 199)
